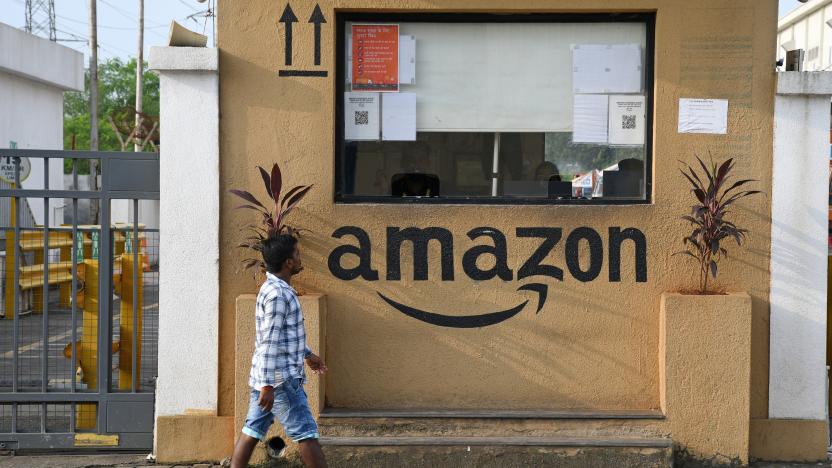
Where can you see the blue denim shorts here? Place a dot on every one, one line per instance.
(291, 409)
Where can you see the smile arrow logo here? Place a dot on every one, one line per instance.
(471, 321)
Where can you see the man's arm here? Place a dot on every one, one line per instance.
(315, 363)
(274, 316)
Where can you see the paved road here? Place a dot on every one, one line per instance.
(99, 461)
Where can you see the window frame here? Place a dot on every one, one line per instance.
(342, 18)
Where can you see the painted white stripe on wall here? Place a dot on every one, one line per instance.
(797, 367)
(189, 225)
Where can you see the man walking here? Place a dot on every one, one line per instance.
(277, 367)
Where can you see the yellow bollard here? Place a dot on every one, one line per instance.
(118, 242)
(88, 359)
(66, 256)
(9, 299)
(37, 292)
(126, 325)
(8, 306)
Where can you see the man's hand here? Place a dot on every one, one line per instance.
(316, 364)
(266, 398)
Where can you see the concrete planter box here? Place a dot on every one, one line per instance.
(705, 359)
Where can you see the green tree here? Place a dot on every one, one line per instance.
(116, 91)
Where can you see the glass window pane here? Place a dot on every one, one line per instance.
(436, 164)
(547, 108)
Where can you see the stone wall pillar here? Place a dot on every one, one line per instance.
(187, 425)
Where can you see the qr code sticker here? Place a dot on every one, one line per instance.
(362, 117)
(628, 122)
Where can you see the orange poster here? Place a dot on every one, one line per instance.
(375, 57)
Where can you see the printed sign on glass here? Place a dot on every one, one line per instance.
(375, 57)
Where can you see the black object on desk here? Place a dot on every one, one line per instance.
(622, 184)
(414, 184)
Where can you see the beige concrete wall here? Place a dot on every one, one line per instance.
(789, 439)
(195, 437)
(595, 345)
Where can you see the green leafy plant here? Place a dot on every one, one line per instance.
(272, 218)
(708, 217)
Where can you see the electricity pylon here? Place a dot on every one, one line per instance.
(40, 18)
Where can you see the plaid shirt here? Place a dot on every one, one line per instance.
(280, 344)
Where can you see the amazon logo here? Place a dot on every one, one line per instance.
(489, 242)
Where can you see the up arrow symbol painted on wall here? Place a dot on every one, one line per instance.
(317, 18)
(288, 17)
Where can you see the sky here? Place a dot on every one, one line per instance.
(117, 22)
(789, 5)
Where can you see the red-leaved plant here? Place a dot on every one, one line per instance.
(708, 216)
(272, 218)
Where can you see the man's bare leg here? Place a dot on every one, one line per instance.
(311, 453)
(242, 451)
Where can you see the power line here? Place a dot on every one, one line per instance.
(100, 44)
(127, 14)
(115, 28)
(75, 37)
(193, 8)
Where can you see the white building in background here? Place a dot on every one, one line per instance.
(32, 108)
(808, 27)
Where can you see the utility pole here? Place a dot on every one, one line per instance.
(94, 208)
(137, 146)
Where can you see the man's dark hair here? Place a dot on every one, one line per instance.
(276, 250)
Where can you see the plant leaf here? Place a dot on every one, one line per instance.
(740, 195)
(737, 184)
(291, 192)
(247, 197)
(723, 171)
(686, 252)
(700, 195)
(692, 220)
(713, 269)
(692, 182)
(296, 198)
(249, 207)
(276, 181)
(266, 181)
(693, 173)
(705, 169)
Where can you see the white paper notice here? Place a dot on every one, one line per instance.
(361, 116)
(589, 118)
(703, 116)
(604, 69)
(398, 117)
(626, 120)
(407, 59)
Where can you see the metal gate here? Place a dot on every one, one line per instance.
(79, 323)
